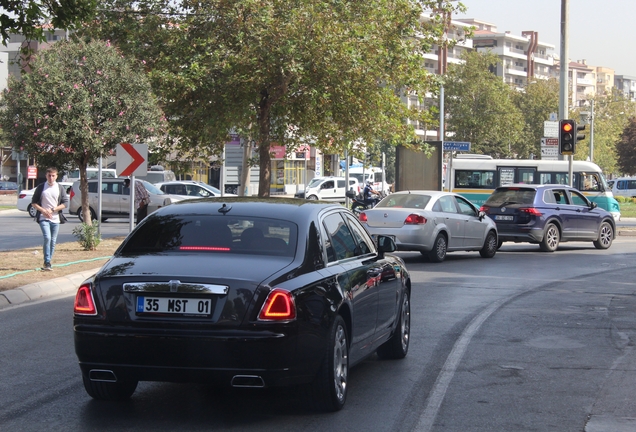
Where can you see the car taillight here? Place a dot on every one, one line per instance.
(484, 208)
(72, 193)
(414, 219)
(363, 217)
(21, 195)
(279, 306)
(531, 211)
(84, 302)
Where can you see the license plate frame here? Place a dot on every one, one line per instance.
(507, 218)
(173, 306)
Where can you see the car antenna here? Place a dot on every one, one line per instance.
(225, 208)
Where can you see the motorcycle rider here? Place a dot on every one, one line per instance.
(367, 198)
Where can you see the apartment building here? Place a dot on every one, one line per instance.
(523, 58)
(605, 80)
(626, 84)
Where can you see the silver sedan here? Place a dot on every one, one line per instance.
(432, 223)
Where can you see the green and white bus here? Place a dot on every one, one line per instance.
(476, 178)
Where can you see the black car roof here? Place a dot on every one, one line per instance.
(293, 209)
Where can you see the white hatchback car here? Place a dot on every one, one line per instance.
(25, 197)
(191, 189)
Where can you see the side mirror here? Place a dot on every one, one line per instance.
(593, 205)
(386, 244)
(350, 193)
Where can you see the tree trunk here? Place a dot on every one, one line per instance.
(86, 213)
(265, 164)
(245, 168)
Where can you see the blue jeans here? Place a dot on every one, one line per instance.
(49, 231)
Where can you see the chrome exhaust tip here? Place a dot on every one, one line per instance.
(251, 381)
(102, 375)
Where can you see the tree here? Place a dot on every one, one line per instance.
(78, 102)
(535, 102)
(280, 71)
(29, 18)
(626, 148)
(611, 117)
(480, 106)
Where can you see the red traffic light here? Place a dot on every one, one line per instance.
(567, 127)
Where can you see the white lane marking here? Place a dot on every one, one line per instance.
(436, 396)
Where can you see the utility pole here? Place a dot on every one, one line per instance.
(564, 81)
(592, 132)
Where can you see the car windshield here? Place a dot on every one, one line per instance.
(213, 234)
(509, 196)
(210, 188)
(314, 181)
(152, 188)
(405, 201)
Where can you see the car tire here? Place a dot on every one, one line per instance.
(490, 246)
(32, 211)
(328, 392)
(551, 238)
(358, 208)
(398, 345)
(81, 216)
(109, 391)
(312, 197)
(499, 244)
(605, 236)
(438, 253)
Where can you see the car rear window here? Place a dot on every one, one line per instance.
(509, 196)
(405, 201)
(213, 234)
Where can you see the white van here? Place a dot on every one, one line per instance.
(330, 188)
(373, 174)
(157, 174)
(91, 173)
(624, 186)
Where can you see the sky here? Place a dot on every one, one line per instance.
(600, 31)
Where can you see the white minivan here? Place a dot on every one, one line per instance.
(330, 188)
(624, 186)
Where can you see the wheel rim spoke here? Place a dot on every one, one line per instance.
(340, 362)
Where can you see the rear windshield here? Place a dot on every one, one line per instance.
(405, 201)
(213, 234)
(511, 196)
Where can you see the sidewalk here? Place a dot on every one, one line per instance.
(40, 290)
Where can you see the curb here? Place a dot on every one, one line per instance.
(40, 290)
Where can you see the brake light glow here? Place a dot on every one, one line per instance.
(84, 302)
(279, 306)
(414, 219)
(532, 211)
(363, 217)
(484, 208)
(204, 248)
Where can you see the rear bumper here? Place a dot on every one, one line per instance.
(530, 234)
(200, 356)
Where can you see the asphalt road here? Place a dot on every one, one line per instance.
(524, 341)
(19, 231)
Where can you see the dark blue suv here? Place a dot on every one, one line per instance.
(548, 215)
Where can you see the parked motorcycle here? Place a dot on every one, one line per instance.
(358, 205)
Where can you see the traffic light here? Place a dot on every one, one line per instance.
(567, 137)
(579, 136)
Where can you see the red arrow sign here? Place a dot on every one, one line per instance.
(137, 159)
